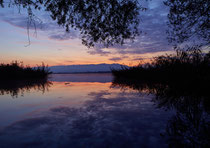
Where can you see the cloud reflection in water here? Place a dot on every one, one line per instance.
(109, 118)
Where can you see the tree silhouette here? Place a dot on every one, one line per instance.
(188, 19)
(99, 21)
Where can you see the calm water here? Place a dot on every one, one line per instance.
(82, 110)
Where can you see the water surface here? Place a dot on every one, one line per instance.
(82, 110)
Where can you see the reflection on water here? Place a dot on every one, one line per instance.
(15, 88)
(90, 113)
(190, 126)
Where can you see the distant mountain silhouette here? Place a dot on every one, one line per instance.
(91, 68)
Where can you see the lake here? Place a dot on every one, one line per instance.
(88, 111)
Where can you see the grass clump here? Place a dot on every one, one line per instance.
(17, 71)
(183, 66)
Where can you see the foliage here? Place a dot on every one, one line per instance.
(188, 19)
(184, 66)
(180, 83)
(99, 21)
(17, 71)
(187, 97)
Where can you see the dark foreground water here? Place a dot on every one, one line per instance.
(89, 111)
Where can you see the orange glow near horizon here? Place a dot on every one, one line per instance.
(59, 52)
(84, 60)
(33, 63)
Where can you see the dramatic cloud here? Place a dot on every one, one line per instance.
(40, 22)
(152, 39)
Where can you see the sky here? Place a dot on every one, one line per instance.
(53, 46)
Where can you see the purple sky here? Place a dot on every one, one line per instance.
(52, 45)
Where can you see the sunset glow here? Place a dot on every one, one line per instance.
(104, 73)
(53, 46)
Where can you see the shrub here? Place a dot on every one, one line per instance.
(183, 66)
(16, 70)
